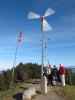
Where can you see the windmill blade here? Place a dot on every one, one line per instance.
(33, 15)
(46, 26)
(49, 12)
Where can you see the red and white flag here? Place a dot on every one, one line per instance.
(20, 37)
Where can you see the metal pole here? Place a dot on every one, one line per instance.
(42, 60)
(43, 77)
(45, 52)
(14, 64)
(42, 47)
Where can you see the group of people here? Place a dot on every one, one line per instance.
(55, 76)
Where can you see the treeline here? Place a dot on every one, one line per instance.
(21, 73)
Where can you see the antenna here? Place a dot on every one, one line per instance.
(19, 40)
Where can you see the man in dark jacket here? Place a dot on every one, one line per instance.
(54, 75)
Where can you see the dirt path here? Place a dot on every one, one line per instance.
(51, 95)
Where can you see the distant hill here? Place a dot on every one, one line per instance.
(73, 70)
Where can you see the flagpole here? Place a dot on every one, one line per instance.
(14, 65)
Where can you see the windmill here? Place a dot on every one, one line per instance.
(44, 27)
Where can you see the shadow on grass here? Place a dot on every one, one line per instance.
(18, 96)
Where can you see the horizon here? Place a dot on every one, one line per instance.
(13, 20)
(57, 66)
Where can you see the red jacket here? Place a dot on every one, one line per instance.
(61, 70)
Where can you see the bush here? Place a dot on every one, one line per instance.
(22, 73)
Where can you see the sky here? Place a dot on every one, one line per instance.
(61, 40)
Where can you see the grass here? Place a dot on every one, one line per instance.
(68, 92)
(17, 90)
(13, 92)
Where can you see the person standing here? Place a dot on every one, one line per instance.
(54, 75)
(49, 77)
(62, 74)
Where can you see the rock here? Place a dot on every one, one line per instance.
(44, 85)
(27, 95)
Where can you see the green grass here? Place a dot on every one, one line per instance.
(18, 88)
(8, 94)
(68, 92)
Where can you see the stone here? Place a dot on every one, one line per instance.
(27, 95)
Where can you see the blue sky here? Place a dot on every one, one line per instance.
(13, 19)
